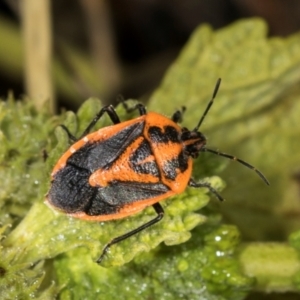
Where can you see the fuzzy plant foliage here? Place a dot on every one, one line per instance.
(191, 253)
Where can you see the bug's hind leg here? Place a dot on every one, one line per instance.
(71, 137)
(160, 213)
(177, 116)
(109, 109)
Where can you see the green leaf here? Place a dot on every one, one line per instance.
(180, 271)
(276, 266)
(24, 137)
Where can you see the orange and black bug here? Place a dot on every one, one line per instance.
(121, 169)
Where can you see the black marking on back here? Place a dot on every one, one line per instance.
(111, 199)
(139, 155)
(169, 134)
(70, 190)
(170, 167)
(96, 155)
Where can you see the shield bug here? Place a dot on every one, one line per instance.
(121, 169)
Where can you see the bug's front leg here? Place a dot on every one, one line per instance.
(194, 184)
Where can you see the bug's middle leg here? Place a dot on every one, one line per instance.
(109, 109)
(139, 106)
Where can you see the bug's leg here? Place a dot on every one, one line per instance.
(140, 107)
(109, 109)
(177, 116)
(194, 184)
(71, 137)
(160, 213)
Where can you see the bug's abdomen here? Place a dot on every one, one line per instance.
(70, 190)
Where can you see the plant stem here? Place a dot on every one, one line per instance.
(36, 25)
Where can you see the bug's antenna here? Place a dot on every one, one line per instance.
(210, 103)
(260, 174)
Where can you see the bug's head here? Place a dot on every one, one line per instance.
(193, 142)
